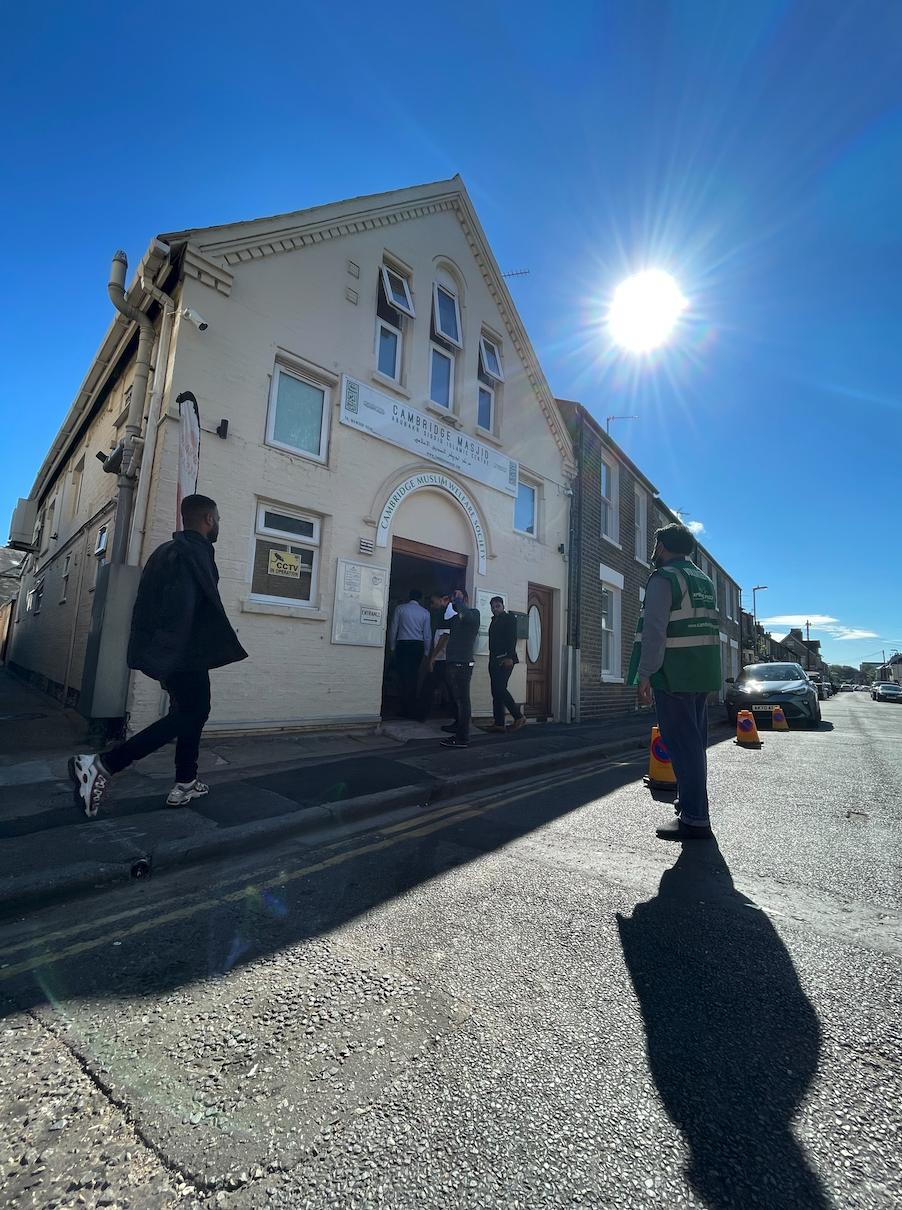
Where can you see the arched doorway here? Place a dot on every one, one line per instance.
(432, 552)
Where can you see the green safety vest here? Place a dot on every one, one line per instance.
(692, 655)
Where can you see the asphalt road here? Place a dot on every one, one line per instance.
(521, 1000)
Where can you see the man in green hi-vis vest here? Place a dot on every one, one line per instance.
(676, 662)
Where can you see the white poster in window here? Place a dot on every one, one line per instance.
(483, 604)
(361, 601)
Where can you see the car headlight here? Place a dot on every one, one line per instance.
(803, 692)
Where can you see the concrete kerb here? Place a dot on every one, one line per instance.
(314, 826)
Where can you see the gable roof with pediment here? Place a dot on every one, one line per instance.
(213, 252)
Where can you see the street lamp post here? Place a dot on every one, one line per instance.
(758, 588)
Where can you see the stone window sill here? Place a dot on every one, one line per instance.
(302, 612)
(446, 414)
(488, 435)
(383, 380)
(612, 542)
(612, 680)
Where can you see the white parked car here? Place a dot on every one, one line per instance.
(887, 691)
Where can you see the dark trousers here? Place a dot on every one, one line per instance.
(458, 678)
(189, 709)
(408, 658)
(683, 720)
(501, 699)
(433, 683)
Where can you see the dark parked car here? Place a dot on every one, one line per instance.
(760, 687)
(818, 681)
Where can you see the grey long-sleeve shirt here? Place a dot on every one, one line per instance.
(655, 617)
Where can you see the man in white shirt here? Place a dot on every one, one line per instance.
(409, 639)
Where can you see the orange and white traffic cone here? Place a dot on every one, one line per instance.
(746, 730)
(778, 718)
(660, 769)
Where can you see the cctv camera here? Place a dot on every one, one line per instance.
(198, 320)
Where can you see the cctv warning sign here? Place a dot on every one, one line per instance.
(284, 563)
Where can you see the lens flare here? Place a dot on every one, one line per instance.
(644, 310)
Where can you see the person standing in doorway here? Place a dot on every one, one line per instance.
(502, 658)
(463, 624)
(179, 632)
(676, 663)
(409, 640)
(434, 681)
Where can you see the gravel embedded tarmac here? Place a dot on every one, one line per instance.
(522, 1000)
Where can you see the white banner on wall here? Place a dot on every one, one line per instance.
(370, 411)
(189, 451)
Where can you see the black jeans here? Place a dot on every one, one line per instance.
(501, 699)
(458, 678)
(408, 658)
(189, 709)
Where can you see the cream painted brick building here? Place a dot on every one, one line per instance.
(388, 427)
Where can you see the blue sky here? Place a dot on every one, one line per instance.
(752, 149)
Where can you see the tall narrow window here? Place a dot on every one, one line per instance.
(607, 630)
(609, 521)
(446, 315)
(525, 509)
(394, 308)
(490, 375)
(641, 524)
(441, 376)
(77, 478)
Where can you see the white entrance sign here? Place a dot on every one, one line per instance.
(421, 482)
(370, 411)
(361, 599)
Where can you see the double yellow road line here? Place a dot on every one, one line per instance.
(54, 947)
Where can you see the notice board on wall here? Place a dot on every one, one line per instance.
(483, 598)
(361, 602)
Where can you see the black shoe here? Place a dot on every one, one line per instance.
(451, 728)
(677, 830)
(453, 742)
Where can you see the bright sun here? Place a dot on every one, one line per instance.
(644, 310)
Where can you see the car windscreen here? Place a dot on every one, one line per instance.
(772, 672)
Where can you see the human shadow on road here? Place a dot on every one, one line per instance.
(733, 1041)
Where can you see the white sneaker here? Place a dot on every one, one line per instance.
(183, 791)
(91, 782)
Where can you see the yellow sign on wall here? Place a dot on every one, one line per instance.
(284, 563)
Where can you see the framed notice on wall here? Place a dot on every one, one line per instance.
(483, 597)
(361, 603)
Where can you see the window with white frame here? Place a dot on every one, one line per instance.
(286, 555)
(610, 523)
(298, 414)
(446, 315)
(612, 583)
(441, 376)
(394, 307)
(641, 511)
(525, 509)
(607, 630)
(490, 376)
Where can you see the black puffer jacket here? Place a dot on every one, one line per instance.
(179, 622)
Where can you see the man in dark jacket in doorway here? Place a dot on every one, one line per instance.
(463, 627)
(179, 632)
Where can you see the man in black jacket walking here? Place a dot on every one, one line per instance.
(179, 632)
(502, 657)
